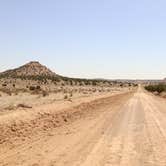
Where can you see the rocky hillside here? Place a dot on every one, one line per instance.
(33, 68)
(34, 71)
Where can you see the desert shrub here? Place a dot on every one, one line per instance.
(45, 93)
(75, 82)
(94, 83)
(121, 85)
(4, 84)
(23, 90)
(80, 84)
(7, 91)
(15, 93)
(86, 82)
(129, 84)
(71, 94)
(32, 88)
(10, 107)
(38, 87)
(156, 88)
(64, 91)
(65, 97)
(71, 82)
(94, 90)
(35, 92)
(14, 85)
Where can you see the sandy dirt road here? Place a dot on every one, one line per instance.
(130, 130)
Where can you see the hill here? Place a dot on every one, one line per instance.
(33, 68)
(34, 71)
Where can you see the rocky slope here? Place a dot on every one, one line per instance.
(33, 68)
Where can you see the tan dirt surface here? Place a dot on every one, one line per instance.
(126, 129)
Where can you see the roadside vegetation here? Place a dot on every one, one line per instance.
(159, 88)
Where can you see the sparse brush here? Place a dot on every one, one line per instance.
(156, 88)
(80, 83)
(65, 97)
(121, 85)
(62, 84)
(36, 92)
(4, 84)
(71, 94)
(15, 93)
(35, 89)
(38, 87)
(32, 88)
(85, 93)
(10, 107)
(94, 90)
(7, 91)
(45, 93)
(64, 91)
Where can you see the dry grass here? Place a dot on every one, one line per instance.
(45, 93)
(10, 107)
(34, 93)
(163, 94)
(66, 97)
(6, 91)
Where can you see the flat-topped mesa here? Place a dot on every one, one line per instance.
(33, 68)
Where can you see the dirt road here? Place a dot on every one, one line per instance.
(129, 130)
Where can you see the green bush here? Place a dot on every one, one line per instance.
(156, 88)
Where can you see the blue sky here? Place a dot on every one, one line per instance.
(86, 38)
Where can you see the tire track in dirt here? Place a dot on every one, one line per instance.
(18, 153)
(125, 130)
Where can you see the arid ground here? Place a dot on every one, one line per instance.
(121, 129)
(50, 120)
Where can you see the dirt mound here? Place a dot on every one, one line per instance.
(33, 68)
(16, 127)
